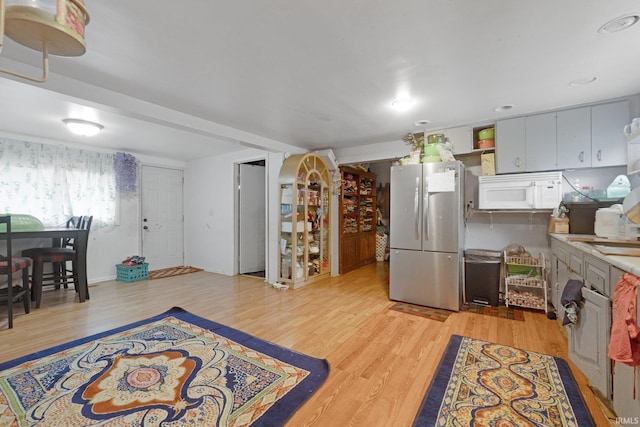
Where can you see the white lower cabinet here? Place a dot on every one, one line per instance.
(589, 340)
(627, 409)
(625, 378)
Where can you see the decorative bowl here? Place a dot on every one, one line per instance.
(436, 138)
(431, 159)
(430, 150)
(486, 143)
(488, 133)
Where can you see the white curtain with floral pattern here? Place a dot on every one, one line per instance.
(54, 182)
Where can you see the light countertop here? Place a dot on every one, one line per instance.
(630, 264)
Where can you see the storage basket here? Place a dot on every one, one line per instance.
(22, 222)
(381, 246)
(132, 273)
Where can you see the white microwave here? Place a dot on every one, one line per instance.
(541, 190)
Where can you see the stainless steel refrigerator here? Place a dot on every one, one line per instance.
(427, 234)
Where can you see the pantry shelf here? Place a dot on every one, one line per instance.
(524, 281)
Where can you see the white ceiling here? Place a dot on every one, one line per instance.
(184, 80)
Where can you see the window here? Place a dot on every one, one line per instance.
(54, 182)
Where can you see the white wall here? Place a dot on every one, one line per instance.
(106, 248)
(109, 247)
(210, 200)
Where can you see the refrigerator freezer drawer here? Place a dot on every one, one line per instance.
(430, 279)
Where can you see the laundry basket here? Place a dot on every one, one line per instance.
(381, 246)
(132, 273)
(22, 222)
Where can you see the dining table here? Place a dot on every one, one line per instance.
(57, 234)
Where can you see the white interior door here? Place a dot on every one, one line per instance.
(162, 217)
(251, 212)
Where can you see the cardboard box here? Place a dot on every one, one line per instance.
(488, 163)
(559, 225)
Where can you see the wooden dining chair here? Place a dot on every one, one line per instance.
(61, 273)
(10, 265)
(58, 256)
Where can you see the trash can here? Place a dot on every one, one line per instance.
(482, 276)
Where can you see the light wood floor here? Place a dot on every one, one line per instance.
(382, 361)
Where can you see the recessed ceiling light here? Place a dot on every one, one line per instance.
(421, 123)
(83, 127)
(403, 104)
(619, 24)
(503, 108)
(583, 81)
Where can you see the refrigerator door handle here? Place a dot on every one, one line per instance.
(416, 211)
(425, 213)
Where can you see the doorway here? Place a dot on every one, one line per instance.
(252, 218)
(162, 217)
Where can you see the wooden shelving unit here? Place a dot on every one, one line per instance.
(524, 281)
(357, 218)
(304, 250)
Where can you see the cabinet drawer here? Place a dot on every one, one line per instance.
(575, 261)
(596, 274)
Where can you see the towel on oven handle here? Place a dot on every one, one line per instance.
(570, 300)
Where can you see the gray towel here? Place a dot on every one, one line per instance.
(570, 300)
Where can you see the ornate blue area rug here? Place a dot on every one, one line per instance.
(484, 384)
(174, 369)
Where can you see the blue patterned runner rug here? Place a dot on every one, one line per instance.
(485, 384)
(174, 369)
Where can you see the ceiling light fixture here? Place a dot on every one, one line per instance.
(37, 27)
(505, 107)
(421, 123)
(583, 81)
(403, 104)
(619, 24)
(83, 127)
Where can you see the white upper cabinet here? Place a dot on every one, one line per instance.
(510, 145)
(608, 142)
(574, 138)
(460, 138)
(582, 137)
(540, 142)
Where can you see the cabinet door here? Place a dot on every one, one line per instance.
(562, 277)
(349, 253)
(589, 340)
(541, 147)
(626, 379)
(460, 138)
(510, 145)
(608, 142)
(367, 247)
(615, 274)
(574, 138)
(554, 279)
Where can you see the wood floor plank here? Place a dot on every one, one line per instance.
(382, 361)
